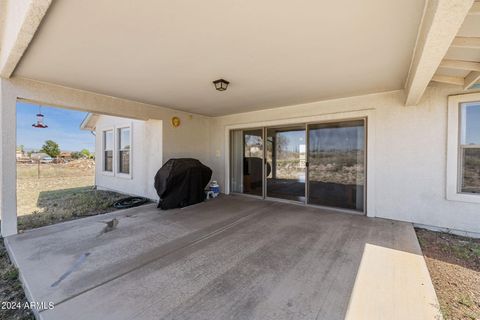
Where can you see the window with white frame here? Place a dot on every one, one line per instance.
(469, 148)
(463, 148)
(124, 146)
(108, 150)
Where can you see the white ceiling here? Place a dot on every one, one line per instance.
(274, 52)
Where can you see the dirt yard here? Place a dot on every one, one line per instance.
(62, 192)
(11, 290)
(58, 193)
(454, 265)
(34, 182)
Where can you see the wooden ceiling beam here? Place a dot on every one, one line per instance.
(459, 81)
(472, 78)
(460, 65)
(440, 24)
(475, 10)
(466, 42)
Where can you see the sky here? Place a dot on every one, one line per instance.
(473, 119)
(63, 128)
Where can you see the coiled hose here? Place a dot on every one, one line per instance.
(129, 202)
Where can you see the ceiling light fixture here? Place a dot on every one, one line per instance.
(221, 84)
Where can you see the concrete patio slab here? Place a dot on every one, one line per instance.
(229, 258)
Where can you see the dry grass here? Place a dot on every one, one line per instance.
(30, 187)
(63, 192)
(454, 266)
(11, 289)
(31, 192)
(68, 204)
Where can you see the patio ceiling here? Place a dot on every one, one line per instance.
(275, 53)
(461, 64)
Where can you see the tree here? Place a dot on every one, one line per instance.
(76, 155)
(51, 148)
(85, 153)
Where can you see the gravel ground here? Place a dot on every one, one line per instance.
(454, 265)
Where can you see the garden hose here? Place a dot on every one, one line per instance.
(129, 202)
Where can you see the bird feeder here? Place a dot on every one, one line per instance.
(39, 124)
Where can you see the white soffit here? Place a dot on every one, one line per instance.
(461, 64)
(470, 28)
(274, 53)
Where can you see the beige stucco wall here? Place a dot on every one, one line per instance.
(189, 140)
(146, 156)
(153, 143)
(409, 158)
(410, 153)
(19, 20)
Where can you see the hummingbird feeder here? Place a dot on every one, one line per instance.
(39, 123)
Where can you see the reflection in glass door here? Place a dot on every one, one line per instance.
(247, 161)
(323, 165)
(285, 165)
(336, 172)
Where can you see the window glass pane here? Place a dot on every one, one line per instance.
(286, 163)
(470, 123)
(471, 170)
(253, 162)
(124, 137)
(124, 150)
(108, 140)
(337, 164)
(108, 161)
(124, 165)
(236, 167)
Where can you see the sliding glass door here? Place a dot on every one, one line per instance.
(319, 164)
(336, 172)
(247, 161)
(286, 160)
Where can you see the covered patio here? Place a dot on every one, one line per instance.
(383, 62)
(407, 70)
(231, 257)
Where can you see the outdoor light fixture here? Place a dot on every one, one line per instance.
(221, 84)
(39, 123)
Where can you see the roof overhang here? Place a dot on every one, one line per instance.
(441, 22)
(273, 53)
(89, 122)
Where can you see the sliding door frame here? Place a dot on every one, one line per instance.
(367, 115)
(365, 166)
(230, 157)
(265, 191)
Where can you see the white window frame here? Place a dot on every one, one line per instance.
(454, 163)
(117, 152)
(104, 172)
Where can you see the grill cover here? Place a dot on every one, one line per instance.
(181, 182)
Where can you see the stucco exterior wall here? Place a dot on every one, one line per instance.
(190, 139)
(18, 23)
(409, 146)
(153, 143)
(146, 156)
(410, 153)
